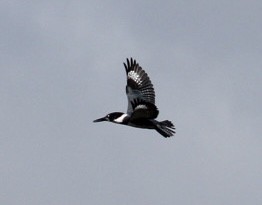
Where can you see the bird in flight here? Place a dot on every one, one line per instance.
(142, 111)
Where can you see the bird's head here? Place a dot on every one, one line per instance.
(116, 117)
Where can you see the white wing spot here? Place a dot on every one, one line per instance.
(134, 76)
(141, 107)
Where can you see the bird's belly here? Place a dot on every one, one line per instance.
(142, 124)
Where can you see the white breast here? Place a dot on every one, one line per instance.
(121, 118)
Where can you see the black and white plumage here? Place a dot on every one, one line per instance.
(141, 110)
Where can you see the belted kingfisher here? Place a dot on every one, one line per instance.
(141, 111)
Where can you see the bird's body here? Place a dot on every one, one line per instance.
(141, 111)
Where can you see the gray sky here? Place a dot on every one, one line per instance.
(61, 66)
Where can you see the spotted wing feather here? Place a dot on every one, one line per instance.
(140, 92)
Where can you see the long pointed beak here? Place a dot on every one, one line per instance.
(101, 119)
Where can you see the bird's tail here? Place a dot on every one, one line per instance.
(165, 128)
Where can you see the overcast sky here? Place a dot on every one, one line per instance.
(61, 67)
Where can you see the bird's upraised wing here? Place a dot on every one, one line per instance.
(140, 92)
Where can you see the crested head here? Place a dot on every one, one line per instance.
(114, 115)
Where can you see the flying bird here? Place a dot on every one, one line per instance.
(142, 111)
